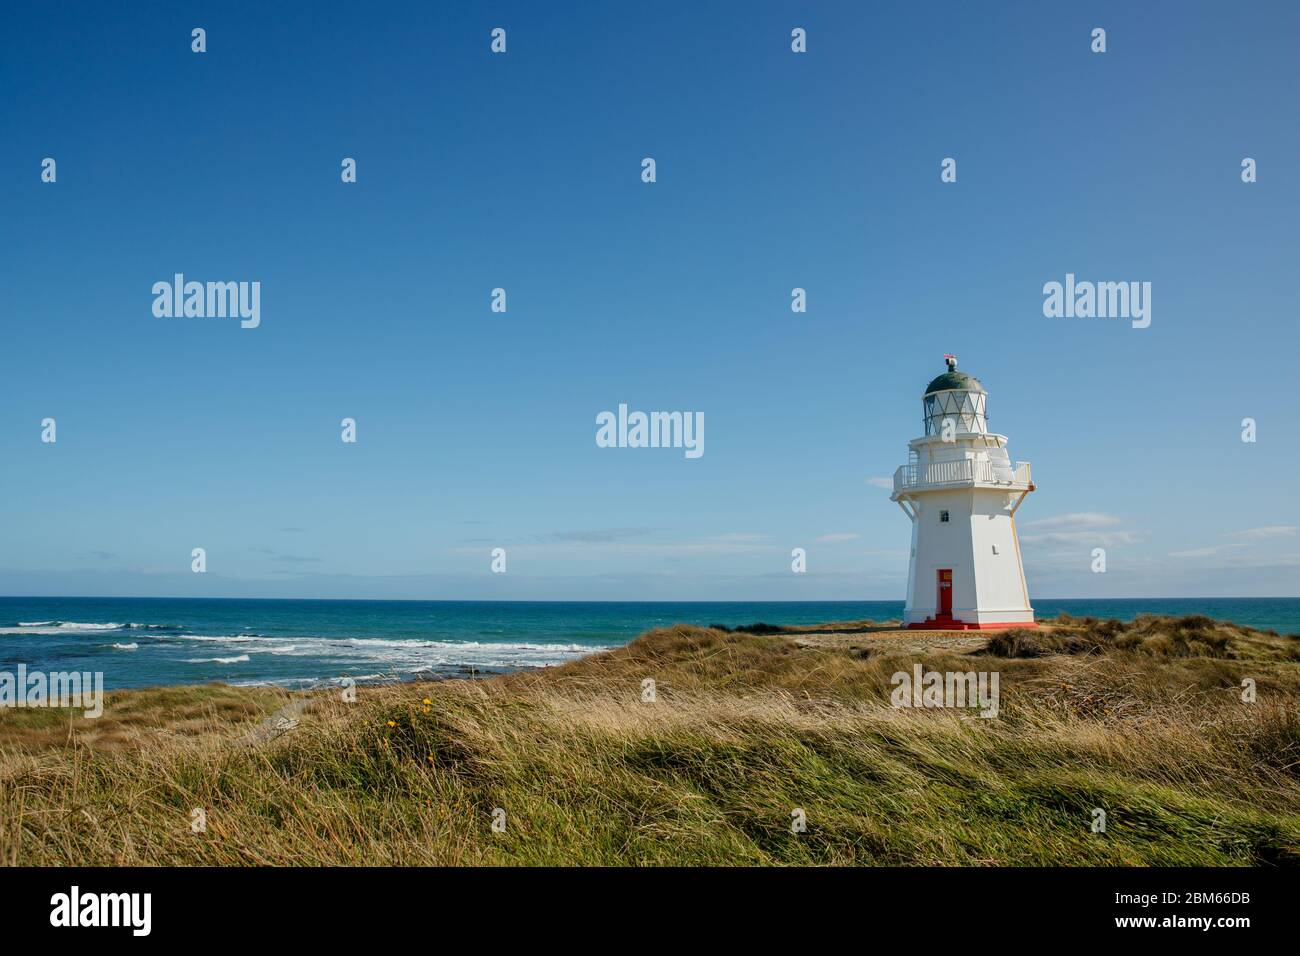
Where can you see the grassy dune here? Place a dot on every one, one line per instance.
(1144, 721)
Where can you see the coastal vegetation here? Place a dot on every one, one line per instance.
(699, 746)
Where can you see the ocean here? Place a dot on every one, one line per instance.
(139, 642)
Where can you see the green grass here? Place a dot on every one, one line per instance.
(745, 730)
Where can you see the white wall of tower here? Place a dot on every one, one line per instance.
(978, 544)
(941, 544)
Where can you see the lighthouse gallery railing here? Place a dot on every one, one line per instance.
(958, 471)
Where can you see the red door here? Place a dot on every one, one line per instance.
(945, 592)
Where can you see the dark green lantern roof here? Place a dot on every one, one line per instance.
(954, 379)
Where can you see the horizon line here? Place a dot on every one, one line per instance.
(139, 597)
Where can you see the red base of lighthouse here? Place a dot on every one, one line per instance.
(952, 624)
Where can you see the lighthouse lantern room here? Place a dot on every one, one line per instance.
(961, 491)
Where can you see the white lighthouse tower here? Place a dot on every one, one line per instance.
(961, 492)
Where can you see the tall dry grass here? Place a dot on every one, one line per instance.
(744, 731)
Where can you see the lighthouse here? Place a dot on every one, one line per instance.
(961, 491)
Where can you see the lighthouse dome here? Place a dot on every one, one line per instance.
(953, 379)
(957, 398)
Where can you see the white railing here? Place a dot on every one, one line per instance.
(959, 471)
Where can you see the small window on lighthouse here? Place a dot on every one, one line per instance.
(943, 517)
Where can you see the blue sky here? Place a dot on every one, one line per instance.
(522, 171)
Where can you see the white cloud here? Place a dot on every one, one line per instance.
(1075, 520)
(1106, 539)
(600, 547)
(877, 482)
(1259, 534)
(837, 536)
(1240, 540)
(1079, 528)
(594, 536)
